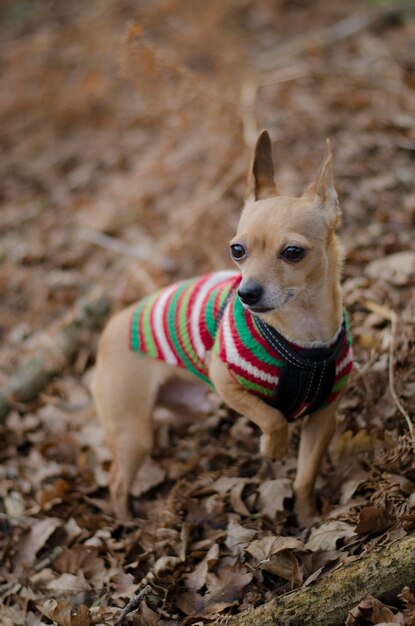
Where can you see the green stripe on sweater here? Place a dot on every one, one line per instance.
(246, 337)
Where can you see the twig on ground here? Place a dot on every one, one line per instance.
(58, 347)
(392, 317)
(48, 559)
(14, 586)
(23, 521)
(133, 604)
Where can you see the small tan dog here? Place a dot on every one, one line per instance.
(272, 339)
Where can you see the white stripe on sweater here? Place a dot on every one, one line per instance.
(160, 335)
(212, 281)
(233, 356)
(348, 358)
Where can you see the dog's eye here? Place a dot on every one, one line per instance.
(238, 252)
(293, 253)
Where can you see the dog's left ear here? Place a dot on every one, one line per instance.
(323, 192)
(261, 182)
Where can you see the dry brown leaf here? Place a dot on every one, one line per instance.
(238, 537)
(11, 617)
(82, 558)
(276, 554)
(373, 519)
(349, 487)
(272, 494)
(52, 494)
(68, 583)
(397, 269)
(123, 584)
(63, 614)
(373, 611)
(226, 483)
(34, 541)
(150, 475)
(146, 617)
(225, 588)
(326, 536)
(408, 600)
(197, 579)
(235, 497)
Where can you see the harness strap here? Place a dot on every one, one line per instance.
(307, 376)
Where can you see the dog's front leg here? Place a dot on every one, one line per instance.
(272, 422)
(316, 432)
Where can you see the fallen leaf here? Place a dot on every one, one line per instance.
(33, 542)
(272, 494)
(61, 612)
(69, 583)
(53, 494)
(147, 615)
(235, 497)
(349, 487)
(149, 475)
(225, 588)
(238, 537)
(196, 579)
(276, 555)
(373, 611)
(83, 559)
(373, 519)
(326, 536)
(397, 269)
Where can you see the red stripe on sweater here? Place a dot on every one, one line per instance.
(259, 338)
(167, 329)
(207, 340)
(142, 344)
(253, 379)
(160, 354)
(196, 364)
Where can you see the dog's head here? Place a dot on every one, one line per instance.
(284, 246)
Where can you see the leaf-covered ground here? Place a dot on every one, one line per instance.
(125, 142)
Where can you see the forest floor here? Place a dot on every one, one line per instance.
(125, 143)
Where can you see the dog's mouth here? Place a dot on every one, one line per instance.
(262, 308)
(258, 309)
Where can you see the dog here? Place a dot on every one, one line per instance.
(272, 338)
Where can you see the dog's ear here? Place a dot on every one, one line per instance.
(261, 182)
(323, 192)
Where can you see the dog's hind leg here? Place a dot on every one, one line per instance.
(125, 388)
(127, 418)
(130, 447)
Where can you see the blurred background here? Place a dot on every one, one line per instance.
(134, 120)
(126, 134)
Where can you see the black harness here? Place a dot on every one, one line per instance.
(307, 376)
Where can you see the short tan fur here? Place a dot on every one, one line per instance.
(301, 299)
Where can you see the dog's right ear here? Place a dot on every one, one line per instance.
(261, 182)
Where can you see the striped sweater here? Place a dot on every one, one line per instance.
(182, 323)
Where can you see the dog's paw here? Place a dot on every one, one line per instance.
(305, 508)
(307, 517)
(274, 445)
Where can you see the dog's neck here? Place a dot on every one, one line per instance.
(315, 315)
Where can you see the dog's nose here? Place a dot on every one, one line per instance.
(251, 293)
